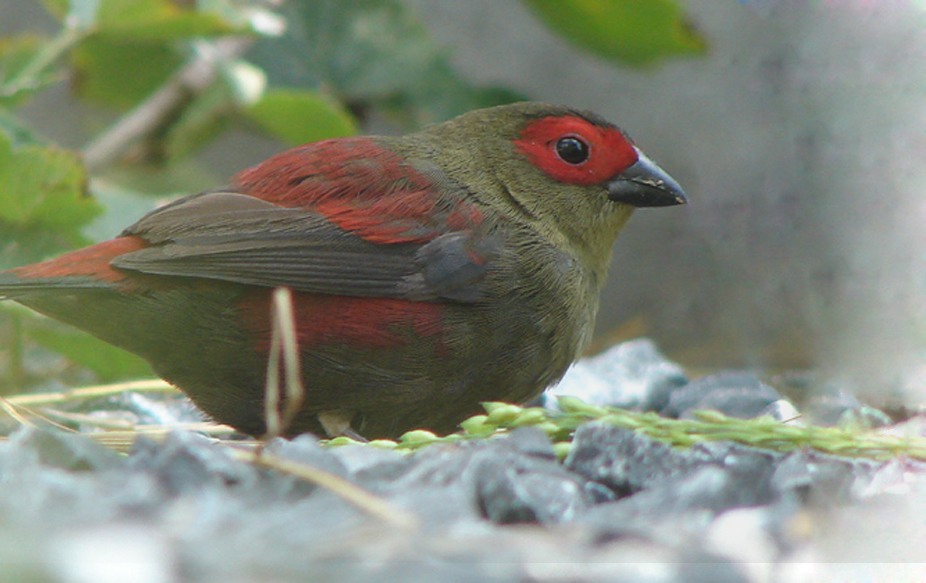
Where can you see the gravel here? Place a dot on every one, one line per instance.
(621, 507)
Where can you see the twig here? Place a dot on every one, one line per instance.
(149, 116)
(34, 399)
(123, 440)
(24, 415)
(12, 411)
(17, 373)
(284, 349)
(25, 78)
(104, 423)
(348, 491)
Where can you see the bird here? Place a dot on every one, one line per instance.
(428, 272)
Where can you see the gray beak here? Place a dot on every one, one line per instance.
(645, 184)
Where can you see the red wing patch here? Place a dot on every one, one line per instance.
(361, 187)
(378, 323)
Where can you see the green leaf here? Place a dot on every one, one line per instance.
(43, 186)
(635, 32)
(157, 19)
(135, 48)
(120, 72)
(16, 53)
(142, 19)
(299, 117)
(105, 360)
(43, 203)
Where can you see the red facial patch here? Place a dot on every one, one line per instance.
(361, 187)
(609, 152)
(90, 261)
(380, 323)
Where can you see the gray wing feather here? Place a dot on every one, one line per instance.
(238, 238)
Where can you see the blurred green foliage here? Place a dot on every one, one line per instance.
(298, 117)
(374, 56)
(43, 203)
(303, 70)
(637, 32)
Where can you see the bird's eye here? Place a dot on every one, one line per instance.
(572, 150)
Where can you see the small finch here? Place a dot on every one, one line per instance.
(429, 272)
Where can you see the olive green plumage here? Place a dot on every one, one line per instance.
(430, 272)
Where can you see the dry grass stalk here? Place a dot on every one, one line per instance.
(362, 499)
(36, 399)
(284, 351)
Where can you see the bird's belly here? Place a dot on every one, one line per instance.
(394, 364)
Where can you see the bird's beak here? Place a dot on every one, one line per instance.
(645, 184)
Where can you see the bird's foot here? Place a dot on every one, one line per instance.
(337, 423)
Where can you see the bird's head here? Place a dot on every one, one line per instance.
(567, 173)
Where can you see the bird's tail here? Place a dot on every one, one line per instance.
(13, 286)
(84, 269)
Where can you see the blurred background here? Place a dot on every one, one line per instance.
(797, 129)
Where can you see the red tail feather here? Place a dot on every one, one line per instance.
(90, 261)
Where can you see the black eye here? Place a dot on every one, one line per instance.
(572, 150)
